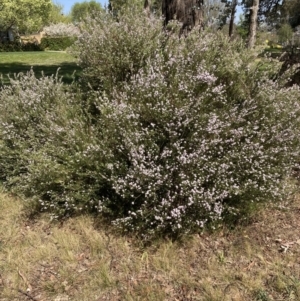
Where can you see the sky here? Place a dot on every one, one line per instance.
(67, 4)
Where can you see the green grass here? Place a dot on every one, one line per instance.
(47, 62)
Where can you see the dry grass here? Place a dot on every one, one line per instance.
(76, 261)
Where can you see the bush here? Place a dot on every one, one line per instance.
(17, 46)
(196, 137)
(61, 30)
(285, 33)
(46, 145)
(57, 43)
(185, 136)
(111, 51)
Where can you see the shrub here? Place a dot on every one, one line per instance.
(57, 43)
(285, 33)
(197, 136)
(185, 136)
(10, 47)
(17, 46)
(111, 51)
(49, 151)
(61, 30)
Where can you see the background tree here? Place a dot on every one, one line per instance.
(80, 11)
(118, 5)
(189, 12)
(25, 15)
(232, 16)
(285, 33)
(215, 13)
(253, 23)
(274, 12)
(57, 16)
(290, 10)
(242, 28)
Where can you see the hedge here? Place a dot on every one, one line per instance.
(57, 43)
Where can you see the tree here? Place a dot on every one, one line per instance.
(253, 23)
(80, 11)
(285, 33)
(57, 16)
(274, 12)
(242, 28)
(232, 16)
(25, 15)
(116, 6)
(188, 12)
(291, 11)
(216, 13)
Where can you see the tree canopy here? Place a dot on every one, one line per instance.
(25, 15)
(80, 11)
(57, 16)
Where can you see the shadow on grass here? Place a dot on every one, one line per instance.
(66, 71)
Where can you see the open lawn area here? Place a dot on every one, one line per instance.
(47, 62)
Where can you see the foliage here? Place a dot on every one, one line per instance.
(57, 43)
(290, 10)
(285, 33)
(242, 28)
(275, 12)
(120, 6)
(111, 51)
(17, 46)
(61, 30)
(176, 136)
(56, 15)
(26, 15)
(191, 142)
(82, 10)
(49, 154)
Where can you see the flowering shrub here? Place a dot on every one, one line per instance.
(47, 150)
(111, 51)
(59, 36)
(183, 131)
(197, 136)
(25, 106)
(61, 30)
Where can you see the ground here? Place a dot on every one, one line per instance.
(77, 260)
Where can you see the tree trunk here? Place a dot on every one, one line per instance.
(253, 23)
(188, 12)
(232, 16)
(147, 7)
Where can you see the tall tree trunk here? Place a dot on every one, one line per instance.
(232, 16)
(188, 12)
(147, 7)
(253, 23)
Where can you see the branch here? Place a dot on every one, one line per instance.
(27, 295)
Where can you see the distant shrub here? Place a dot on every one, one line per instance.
(57, 43)
(285, 33)
(61, 30)
(17, 46)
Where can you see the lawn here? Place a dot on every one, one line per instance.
(47, 62)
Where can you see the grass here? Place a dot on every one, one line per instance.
(78, 260)
(41, 61)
